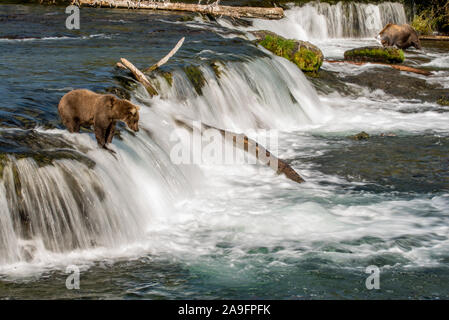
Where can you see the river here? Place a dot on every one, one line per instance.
(139, 226)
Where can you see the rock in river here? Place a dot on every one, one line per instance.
(305, 55)
(375, 54)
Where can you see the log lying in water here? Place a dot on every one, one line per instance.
(252, 147)
(215, 10)
(436, 38)
(394, 66)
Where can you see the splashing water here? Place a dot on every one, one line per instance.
(321, 21)
(70, 206)
(210, 231)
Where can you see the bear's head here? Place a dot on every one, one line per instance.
(127, 112)
(384, 34)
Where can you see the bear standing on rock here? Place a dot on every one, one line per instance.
(83, 107)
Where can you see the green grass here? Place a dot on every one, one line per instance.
(422, 24)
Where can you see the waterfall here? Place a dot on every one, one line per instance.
(111, 201)
(320, 20)
(69, 205)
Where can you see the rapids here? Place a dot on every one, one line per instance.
(140, 226)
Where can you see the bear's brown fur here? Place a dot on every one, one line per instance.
(401, 36)
(82, 107)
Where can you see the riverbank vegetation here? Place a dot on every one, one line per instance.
(431, 16)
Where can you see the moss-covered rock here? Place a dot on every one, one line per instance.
(376, 54)
(168, 76)
(216, 67)
(43, 148)
(443, 101)
(305, 55)
(196, 77)
(119, 92)
(360, 136)
(3, 160)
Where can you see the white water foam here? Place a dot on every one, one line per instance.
(137, 204)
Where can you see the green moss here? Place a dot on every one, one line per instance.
(376, 54)
(422, 24)
(361, 136)
(186, 18)
(307, 59)
(119, 92)
(196, 77)
(279, 46)
(3, 160)
(168, 77)
(443, 101)
(214, 65)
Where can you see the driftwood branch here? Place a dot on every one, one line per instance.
(394, 66)
(139, 76)
(165, 59)
(215, 10)
(252, 147)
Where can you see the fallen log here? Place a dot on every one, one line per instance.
(394, 66)
(250, 146)
(436, 38)
(215, 10)
(139, 76)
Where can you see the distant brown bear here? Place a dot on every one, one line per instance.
(401, 36)
(83, 107)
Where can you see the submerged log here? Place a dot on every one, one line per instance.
(215, 10)
(435, 38)
(394, 66)
(251, 146)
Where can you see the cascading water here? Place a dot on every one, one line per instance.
(112, 202)
(246, 95)
(69, 205)
(139, 226)
(320, 20)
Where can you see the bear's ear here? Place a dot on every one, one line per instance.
(385, 28)
(134, 110)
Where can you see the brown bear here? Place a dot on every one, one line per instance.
(401, 36)
(82, 107)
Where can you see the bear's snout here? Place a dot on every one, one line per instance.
(135, 127)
